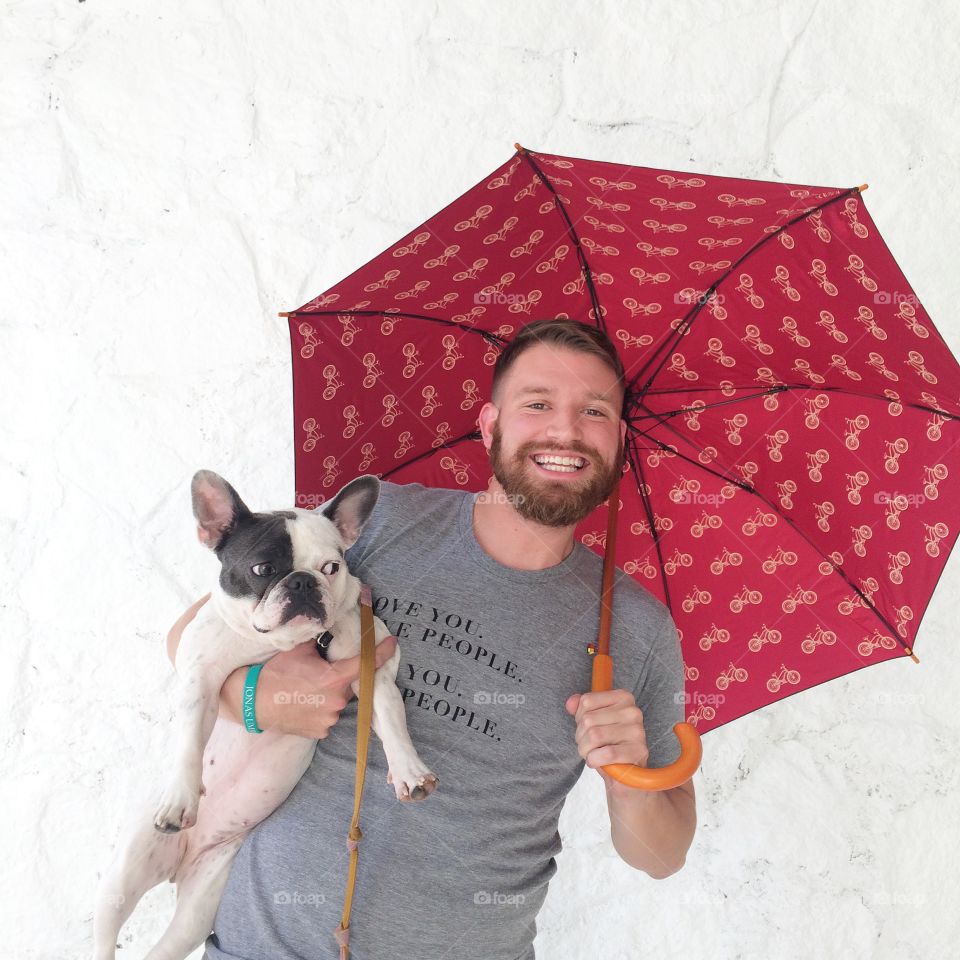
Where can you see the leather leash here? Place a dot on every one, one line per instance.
(364, 719)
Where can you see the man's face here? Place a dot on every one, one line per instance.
(556, 403)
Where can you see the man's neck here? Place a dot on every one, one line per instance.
(513, 540)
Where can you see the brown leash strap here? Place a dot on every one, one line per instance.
(364, 719)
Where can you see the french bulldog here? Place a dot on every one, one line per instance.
(282, 582)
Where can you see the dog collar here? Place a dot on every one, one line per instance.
(323, 641)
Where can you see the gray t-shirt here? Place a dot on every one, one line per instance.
(489, 655)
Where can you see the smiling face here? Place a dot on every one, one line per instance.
(554, 434)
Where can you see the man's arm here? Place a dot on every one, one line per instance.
(652, 831)
(285, 675)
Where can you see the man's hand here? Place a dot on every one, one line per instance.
(609, 730)
(298, 691)
(651, 831)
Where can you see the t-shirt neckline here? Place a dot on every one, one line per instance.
(494, 568)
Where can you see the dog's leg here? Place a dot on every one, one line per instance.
(198, 896)
(198, 702)
(207, 654)
(410, 776)
(143, 859)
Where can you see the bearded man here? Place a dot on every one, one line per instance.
(493, 602)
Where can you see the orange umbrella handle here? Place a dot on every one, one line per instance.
(651, 778)
(644, 778)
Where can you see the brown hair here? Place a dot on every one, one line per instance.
(560, 332)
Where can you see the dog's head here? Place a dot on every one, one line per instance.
(282, 574)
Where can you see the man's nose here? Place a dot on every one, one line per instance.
(563, 425)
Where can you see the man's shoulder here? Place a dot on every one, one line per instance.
(628, 592)
(410, 514)
(639, 596)
(415, 497)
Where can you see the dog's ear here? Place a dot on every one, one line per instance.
(217, 507)
(350, 509)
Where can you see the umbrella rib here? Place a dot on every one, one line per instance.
(493, 338)
(684, 326)
(470, 435)
(744, 486)
(638, 473)
(574, 239)
(706, 406)
(780, 388)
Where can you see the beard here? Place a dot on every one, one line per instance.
(553, 503)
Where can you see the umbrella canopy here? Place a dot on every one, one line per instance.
(792, 411)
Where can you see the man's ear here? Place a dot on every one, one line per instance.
(487, 418)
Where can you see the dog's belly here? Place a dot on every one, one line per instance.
(246, 777)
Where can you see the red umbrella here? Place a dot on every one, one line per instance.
(791, 408)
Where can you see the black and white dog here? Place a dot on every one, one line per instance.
(283, 582)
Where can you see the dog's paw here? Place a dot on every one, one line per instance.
(177, 809)
(413, 785)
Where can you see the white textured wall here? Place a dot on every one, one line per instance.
(172, 175)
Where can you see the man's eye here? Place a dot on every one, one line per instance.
(330, 568)
(594, 410)
(536, 403)
(263, 569)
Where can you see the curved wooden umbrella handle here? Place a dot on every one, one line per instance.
(651, 778)
(644, 778)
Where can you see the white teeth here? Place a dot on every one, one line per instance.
(559, 464)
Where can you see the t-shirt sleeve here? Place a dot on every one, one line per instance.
(660, 695)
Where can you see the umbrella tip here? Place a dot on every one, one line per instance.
(518, 148)
(863, 186)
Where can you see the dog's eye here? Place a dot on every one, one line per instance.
(263, 569)
(330, 568)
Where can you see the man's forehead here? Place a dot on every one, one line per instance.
(587, 392)
(549, 370)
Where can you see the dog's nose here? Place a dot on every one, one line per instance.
(302, 581)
